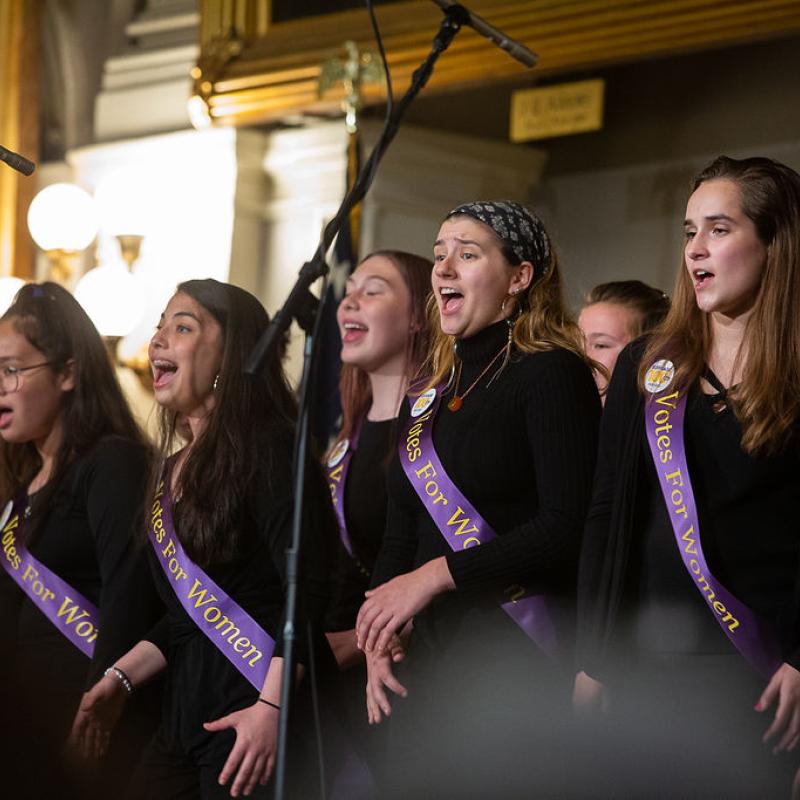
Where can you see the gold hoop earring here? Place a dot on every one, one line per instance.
(512, 296)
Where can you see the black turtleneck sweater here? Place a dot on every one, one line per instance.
(522, 450)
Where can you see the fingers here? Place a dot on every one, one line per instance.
(384, 641)
(88, 739)
(255, 774)
(368, 612)
(372, 619)
(778, 724)
(220, 724)
(770, 693)
(379, 625)
(268, 769)
(782, 713)
(392, 683)
(396, 650)
(376, 702)
(790, 737)
(232, 763)
(243, 774)
(100, 743)
(380, 675)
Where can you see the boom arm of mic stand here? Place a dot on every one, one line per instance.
(455, 17)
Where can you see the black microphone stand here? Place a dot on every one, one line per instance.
(303, 306)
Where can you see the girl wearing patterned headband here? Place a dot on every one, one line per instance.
(75, 594)
(689, 579)
(486, 503)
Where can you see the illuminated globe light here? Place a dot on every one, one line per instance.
(63, 217)
(113, 298)
(9, 286)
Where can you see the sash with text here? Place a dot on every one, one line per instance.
(228, 626)
(71, 613)
(458, 520)
(753, 637)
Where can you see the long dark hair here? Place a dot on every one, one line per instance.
(54, 323)
(354, 386)
(251, 414)
(766, 401)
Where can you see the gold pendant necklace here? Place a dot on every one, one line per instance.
(457, 400)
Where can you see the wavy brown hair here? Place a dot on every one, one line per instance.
(53, 322)
(543, 322)
(252, 420)
(354, 386)
(766, 401)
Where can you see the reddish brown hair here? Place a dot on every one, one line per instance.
(354, 386)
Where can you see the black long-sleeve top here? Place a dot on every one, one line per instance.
(365, 513)
(634, 590)
(202, 685)
(522, 449)
(87, 539)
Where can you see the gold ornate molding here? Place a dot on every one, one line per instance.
(276, 72)
(19, 109)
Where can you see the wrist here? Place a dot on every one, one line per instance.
(269, 703)
(116, 677)
(439, 576)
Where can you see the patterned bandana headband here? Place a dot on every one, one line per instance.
(515, 226)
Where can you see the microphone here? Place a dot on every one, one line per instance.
(511, 46)
(16, 161)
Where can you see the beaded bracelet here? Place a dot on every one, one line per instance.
(121, 677)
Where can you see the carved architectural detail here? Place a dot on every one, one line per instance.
(277, 72)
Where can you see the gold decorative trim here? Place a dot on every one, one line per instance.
(276, 71)
(19, 129)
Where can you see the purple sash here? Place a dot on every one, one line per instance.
(71, 613)
(338, 466)
(229, 627)
(458, 520)
(754, 638)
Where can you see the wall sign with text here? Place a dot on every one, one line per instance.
(557, 110)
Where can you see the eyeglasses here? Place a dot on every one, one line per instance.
(11, 377)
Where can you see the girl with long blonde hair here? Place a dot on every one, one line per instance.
(509, 419)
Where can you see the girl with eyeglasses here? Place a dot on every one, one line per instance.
(73, 469)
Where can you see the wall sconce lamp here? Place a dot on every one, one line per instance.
(63, 222)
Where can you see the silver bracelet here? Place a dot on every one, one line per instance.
(121, 677)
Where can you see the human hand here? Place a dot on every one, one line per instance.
(379, 678)
(97, 715)
(785, 686)
(253, 755)
(588, 695)
(392, 604)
